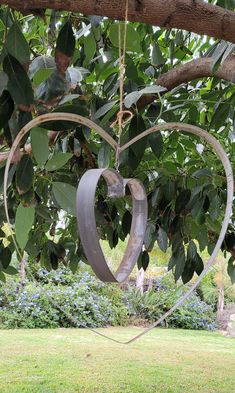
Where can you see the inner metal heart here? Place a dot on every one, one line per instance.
(87, 222)
(165, 126)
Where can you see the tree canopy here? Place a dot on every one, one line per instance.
(64, 61)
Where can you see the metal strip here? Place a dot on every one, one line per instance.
(87, 223)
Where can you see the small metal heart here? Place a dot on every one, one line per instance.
(87, 223)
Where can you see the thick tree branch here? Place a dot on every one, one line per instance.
(192, 15)
(195, 69)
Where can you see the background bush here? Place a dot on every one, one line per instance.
(193, 314)
(81, 296)
(94, 304)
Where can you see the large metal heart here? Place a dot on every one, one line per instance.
(87, 223)
(166, 126)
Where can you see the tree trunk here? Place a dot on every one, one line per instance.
(192, 15)
(140, 280)
(220, 305)
(220, 284)
(22, 272)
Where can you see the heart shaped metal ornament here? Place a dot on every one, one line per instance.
(87, 223)
(116, 187)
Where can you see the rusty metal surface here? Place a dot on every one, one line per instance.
(85, 204)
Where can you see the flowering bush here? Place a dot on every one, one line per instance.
(61, 299)
(193, 314)
(40, 306)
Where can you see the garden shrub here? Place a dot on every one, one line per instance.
(79, 296)
(193, 314)
(95, 304)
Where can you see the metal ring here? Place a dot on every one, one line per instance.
(87, 223)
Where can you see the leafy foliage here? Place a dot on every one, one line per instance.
(74, 68)
(193, 314)
(82, 296)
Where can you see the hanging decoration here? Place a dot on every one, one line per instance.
(117, 187)
(166, 126)
(87, 224)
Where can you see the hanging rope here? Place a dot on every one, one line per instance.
(122, 71)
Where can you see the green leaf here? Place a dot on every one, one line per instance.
(19, 85)
(11, 270)
(73, 263)
(218, 55)
(170, 167)
(17, 45)
(131, 99)
(23, 224)
(220, 115)
(193, 263)
(162, 239)
(3, 81)
(202, 237)
(214, 209)
(139, 262)
(2, 277)
(199, 265)
(180, 262)
(104, 155)
(39, 142)
(182, 200)
(192, 251)
(66, 40)
(75, 74)
(45, 259)
(24, 174)
(180, 153)
(137, 125)
(132, 36)
(231, 270)
(65, 196)
(42, 75)
(202, 173)
(104, 109)
(54, 261)
(5, 257)
(41, 63)
(145, 260)
(58, 161)
(6, 108)
(134, 96)
(172, 262)
(188, 272)
(149, 236)
(156, 143)
(89, 47)
(157, 58)
(126, 223)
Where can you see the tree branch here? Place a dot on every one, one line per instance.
(192, 15)
(195, 69)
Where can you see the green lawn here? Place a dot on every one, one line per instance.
(72, 360)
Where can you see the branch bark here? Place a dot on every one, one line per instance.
(192, 15)
(195, 69)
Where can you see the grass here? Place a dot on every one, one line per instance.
(71, 360)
